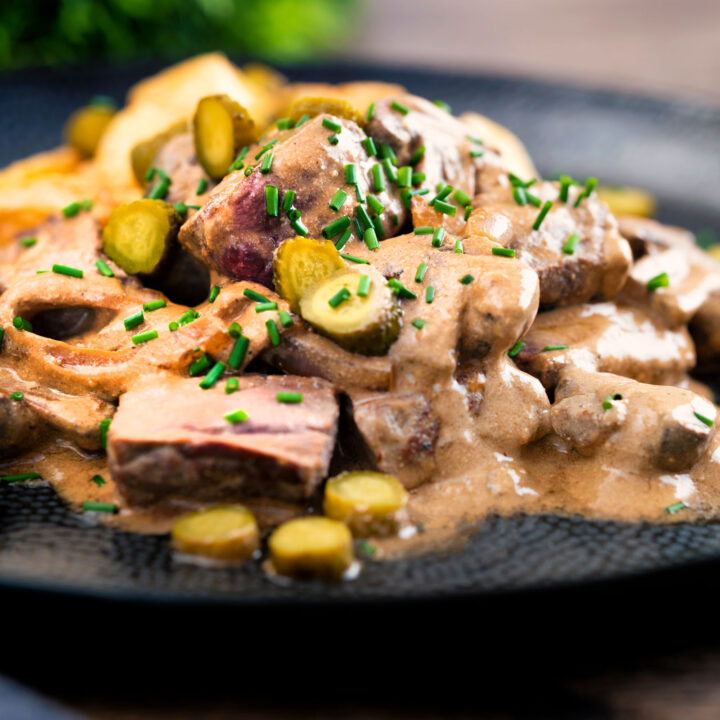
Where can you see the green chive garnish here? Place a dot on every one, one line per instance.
(132, 321)
(353, 258)
(370, 237)
(462, 198)
(418, 323)
(378, 178)
(188, 316)
(273, 332)
(607, 403)
(237, 355)
(236, 417)
(429, 294)
(201, 186)
(154, 305)
(675, 507)
(288, 200)
(565, 183)
(75, 207)
(338, 200)
(232, 386)
(438, 237)
(22, 324)
(442, 105)
(289, 397)
(400, 290)
(476, 153)
(65, 270)
(369, 144)
(265, 148)
(445, 208)
(363, 288)
(271, 200)
(571, 244)
(92, 506)
(213, 376)
(466, 279)
(389, 169)
(350, 174)
(266, 164)
(541, 215)
(336, 227)
(459, 246)
(331, 125)
(363, 216)
(301, 120)
(404, 177)
(284, 123)
(99, 480)
(214, 292)
(20, 477)
(370, 111)
(235, 331)
(550, 348)
(504, 252)
(375, 205)
(104, 268)
(661, 280)
(424, 230)
(285, 318)
(299, 228)
(706, 420)
(143, 337)
(104, 427)
(28, 241)
(199, 366)
(589, 187)
(256, 296)
(333, 139)
(17, 395)
(265, 307)
(395, 105)
(420, 272)
(417, 155)
(516, 348)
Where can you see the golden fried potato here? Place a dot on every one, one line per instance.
(628, 200)
(61, 160)
(514, 154)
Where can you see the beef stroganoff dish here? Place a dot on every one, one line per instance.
(297, 324)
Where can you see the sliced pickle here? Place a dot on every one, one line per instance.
(367, 325)
(143, 154)
(311, 547)
(313, 106)
(86, 126)
(301, 263)
(139, 235)
(225, 532)
(369, 503)
(221, 127)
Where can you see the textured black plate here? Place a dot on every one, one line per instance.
(669, 148)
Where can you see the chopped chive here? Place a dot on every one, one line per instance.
(17, 395)
(420, 272)
(359, 194)
(429, 294)
(288, 200)
(350, 174)
(28, 241)
(504, 252)
(363, 216)
(132, 321)
(284, 123)
(571, 244)
(438, 237)
(390, 170)
(466, 279)
(517, 181)
(74, 208)
(363, 288)
(404, 176)
(442, 105)
(20, 477)
(340, 244)
(477, 153)
(587, 191)
(419, 323)
(271, 200)
(181, 208)
(199, 366)
(331, 125)
(661, 280)
(675, 507)
(516, 348)
(418, 178)
(249, 293)
(301, 120)
(353, 258)
(423, 230)
(289, 397)
(378, 227)
(550, 348)
(188, 316)
(370, 111)
(520, 196)
(237, 164)
(144, 337)
(459, 246)
(213, 376)
(369, 144)
(462, 198)
(706, 420)
(248, 171)
(370, 238)
(273, 332)
(299, 228)
(236, 417)
(336, 227)
(607, 403)
(475, 140)
(541, 215)
(104, 268)
(337, 200)
(265, 306)
(399, 107)
(375, 205)
(231, 386)
(105, 507)
(99, 480)
(154, 305)
(201, 186)
(400, 290)
(533, 199)
(2, 334)
(266, 164)
(104, 428)
(468, 211)
(214, 292)
(378, 178)
(22, 324)
(565, 183)
(160, 190)
(333, 139)
(65, 270)
(237, 354)
(235, 331)
(445, 208)
(285, 318)
(417, 156)
(265, 148)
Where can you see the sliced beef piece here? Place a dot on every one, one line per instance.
(705, 330)
(20, 427)
(597, 267)
(647, 425)
(185, 449)
(648, 237)
(177, 158)
(606, 337)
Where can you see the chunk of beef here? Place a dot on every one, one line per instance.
(647, 425)
(649, 237)
(598, 265)
(20, 427)
(606, 337)
(170, 440)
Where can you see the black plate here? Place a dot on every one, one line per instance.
(669, 148)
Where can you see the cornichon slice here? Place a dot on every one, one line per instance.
(311, 547)
(367, 324)
(369, 503)
(143, 154)
(313, 106)
(221, 127)
(301, 263)
(139, 235)
(86, 126)
(226, 532)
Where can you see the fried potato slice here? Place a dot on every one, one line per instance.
(59, 161)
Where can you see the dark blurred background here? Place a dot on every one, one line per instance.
(655, 46)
